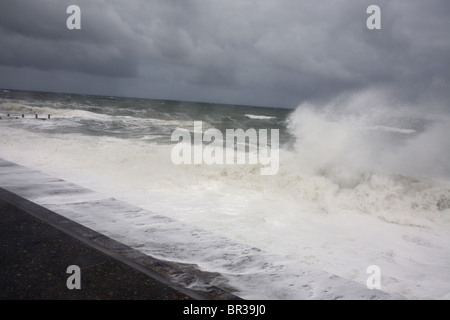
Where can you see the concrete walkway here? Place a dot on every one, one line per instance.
(35, 257)
(37, 245)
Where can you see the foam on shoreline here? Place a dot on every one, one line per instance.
(183, 259)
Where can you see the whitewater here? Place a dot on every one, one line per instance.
(358, 184)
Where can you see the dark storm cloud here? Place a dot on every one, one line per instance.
(266, 52)
(34, 34)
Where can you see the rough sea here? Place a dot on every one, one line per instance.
(358, 185)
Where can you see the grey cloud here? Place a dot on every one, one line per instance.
(34, 34)
(270, 52)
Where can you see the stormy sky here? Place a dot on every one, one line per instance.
(277, 53)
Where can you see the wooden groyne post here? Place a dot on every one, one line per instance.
(36, 116)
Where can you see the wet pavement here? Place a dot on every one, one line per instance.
(34, 258)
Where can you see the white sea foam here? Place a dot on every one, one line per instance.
(258, 117)
(14, 107)
(346, 197)
(317, 220)
(392, 129)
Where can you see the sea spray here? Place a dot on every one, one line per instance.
(343, 198)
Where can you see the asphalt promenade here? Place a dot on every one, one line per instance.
(34, 257)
